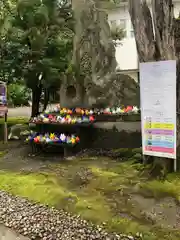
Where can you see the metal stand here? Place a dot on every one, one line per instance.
(5, 129)
(35, 150)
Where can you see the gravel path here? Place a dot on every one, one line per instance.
(8, 234)
(40, 222)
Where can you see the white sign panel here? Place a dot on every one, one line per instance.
(158, 108)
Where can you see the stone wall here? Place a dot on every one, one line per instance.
(102, 135)
(117, 135)
(111, 135)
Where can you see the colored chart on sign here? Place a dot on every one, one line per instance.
(159, 137)
(3, 99)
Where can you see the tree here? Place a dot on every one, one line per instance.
(42, 35)
(155, 38)
(6, 12)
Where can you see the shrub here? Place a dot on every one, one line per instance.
(11, 122)
(18, 94)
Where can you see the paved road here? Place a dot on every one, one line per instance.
(8, 234)
(22, 111)
(19, 112)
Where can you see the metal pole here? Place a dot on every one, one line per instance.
(5, 128)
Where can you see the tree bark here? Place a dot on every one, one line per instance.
(93, 50)
(156, 44)
(36, 96)
(46, 98)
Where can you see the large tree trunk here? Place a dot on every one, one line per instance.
(46, 98)
(93, 50)
(156, 44)
(36, 96)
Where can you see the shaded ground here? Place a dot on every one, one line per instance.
(100, 189)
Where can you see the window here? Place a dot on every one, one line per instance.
(113, 23)
(132, 31)
(118, 23)
(122, 24)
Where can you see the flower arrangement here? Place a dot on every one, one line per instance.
(49, 138)
(89, 112)
(58, 119)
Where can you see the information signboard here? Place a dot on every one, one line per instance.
(3, 99)
(158, 108)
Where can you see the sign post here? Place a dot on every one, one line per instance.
(158, 108)
(4, 108)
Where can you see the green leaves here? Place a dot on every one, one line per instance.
(39, 40)
(18, 94)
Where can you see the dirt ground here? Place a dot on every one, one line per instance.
(103, 190)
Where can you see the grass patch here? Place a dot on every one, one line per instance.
(46, 188)
(130, 227)
(2, 153)
(37, 187)
(103, 173)
(118, 177)
(15, 120)
(90, 203)
(93, 208)
(159, 189)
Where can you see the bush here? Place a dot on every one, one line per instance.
(11, 122)
(124, 152)
(18, 94)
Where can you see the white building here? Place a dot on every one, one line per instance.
(126, 53)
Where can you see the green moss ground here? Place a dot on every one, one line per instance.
(161, 189)
(15, 120)
(98, 189)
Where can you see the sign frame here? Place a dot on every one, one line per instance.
(4, 109)
(158, 109)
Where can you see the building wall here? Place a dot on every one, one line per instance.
(134, 75)
(126, 53)
(131, 73)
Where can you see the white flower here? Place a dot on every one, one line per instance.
(63, 137)
(135, 109)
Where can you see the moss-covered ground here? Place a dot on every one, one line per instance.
(15, 120)
(102, 190)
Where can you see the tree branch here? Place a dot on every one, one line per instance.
(143, 29)
(163, 18)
